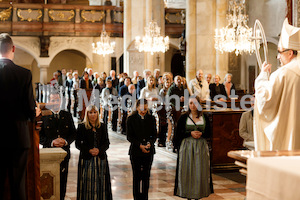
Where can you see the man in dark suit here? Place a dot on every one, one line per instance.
(114, 79)
(124, 89)
(141, 133)
(16, 107)
(58, 130)
(142, 83)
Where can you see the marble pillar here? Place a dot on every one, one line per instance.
(155, 12)
(127, 34)
(190, 39)
(200, 30)
(149, 59)
(221, 21)
(161, 59)
(101, 63)
(137, 15)
(50, 159)
(43, 73)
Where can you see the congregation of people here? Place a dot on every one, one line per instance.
(273, 122)
(140, 126)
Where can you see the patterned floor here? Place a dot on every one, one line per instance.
(162, 175)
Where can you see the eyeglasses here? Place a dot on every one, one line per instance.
(280, 52)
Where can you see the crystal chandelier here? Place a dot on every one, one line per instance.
(152, 42)
(104, 46)
(236, 36)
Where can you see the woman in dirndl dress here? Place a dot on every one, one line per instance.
(193, 175)
(93, 171)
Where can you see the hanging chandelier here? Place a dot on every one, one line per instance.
(236, 36)
(152, 42)
(104, 46)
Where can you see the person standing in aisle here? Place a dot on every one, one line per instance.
(141, 133)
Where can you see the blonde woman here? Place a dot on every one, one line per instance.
(93, 170)
(150, 92)
(229, 86)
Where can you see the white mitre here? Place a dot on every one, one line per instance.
(290, 37)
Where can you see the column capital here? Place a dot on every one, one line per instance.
(43, 66)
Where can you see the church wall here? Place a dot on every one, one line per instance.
(68, 59)
(35, 70)
(24, 59)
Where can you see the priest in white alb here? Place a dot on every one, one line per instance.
(277, 99)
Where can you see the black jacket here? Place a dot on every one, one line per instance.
(123, 90)
(69, 85)
(53, 128)
(86, 140)
(213, 92)
(17, 105)
(180, 131)
(140, 85)
(140, 131)
(82, 84)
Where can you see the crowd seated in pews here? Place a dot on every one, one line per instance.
(157, 89)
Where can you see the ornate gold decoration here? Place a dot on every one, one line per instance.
(29, 15)
(92, 16)
(118, 17)
(173, 18)
(61, 15)
(5, 14)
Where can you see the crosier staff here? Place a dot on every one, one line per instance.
(259, 34)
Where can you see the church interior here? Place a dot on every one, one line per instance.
(51, 35)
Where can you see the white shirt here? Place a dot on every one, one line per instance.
(146, 93)
(195, 88)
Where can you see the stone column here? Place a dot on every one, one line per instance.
(221, 21)
(200, 25)
(162, 32)
(43, 73)
(149, 61)
(106, 63)
(191, 40)
(155, 12)
(127, 34)
(101, 63)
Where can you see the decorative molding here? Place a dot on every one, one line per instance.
(5, 14)
(44, 43)
(174, 18)
(29, 15)
(92, 15)
(61, 15)
(118, 17)
(47, 185)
